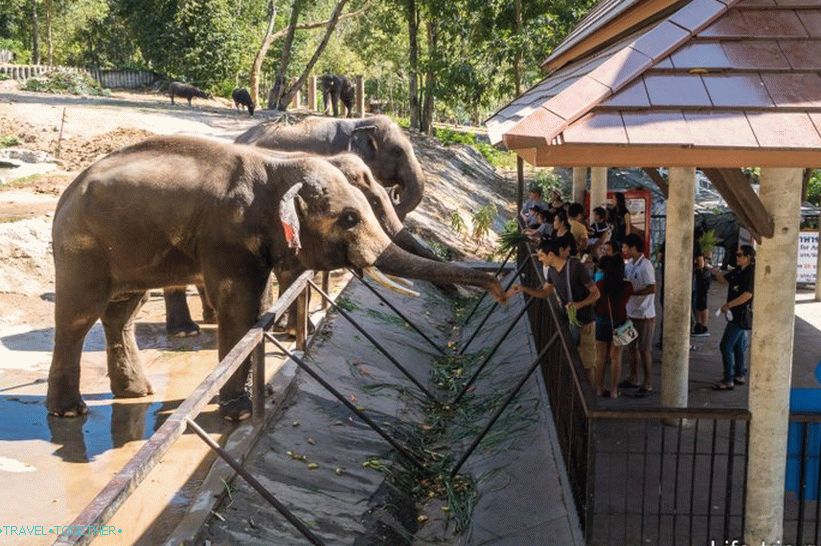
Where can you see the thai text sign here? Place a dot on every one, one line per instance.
(807, 257)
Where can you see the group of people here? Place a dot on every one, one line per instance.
(607, 286)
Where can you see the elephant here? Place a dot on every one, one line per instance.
(335, 89)
(184, 210)
(178, 315)
(379, 141)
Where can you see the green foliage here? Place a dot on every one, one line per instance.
(548, 181)
(65, 83)
(457, 223)
(8, 140)
(483, 221)
(708, 241)
(814, 188)
(449, 136)
(510, 238)
(21, 54)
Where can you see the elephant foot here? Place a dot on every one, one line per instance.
(132, 389)
(209, 316)
(186, 329)
(236, 409)
(66, 406)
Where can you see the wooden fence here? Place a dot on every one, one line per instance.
(118, 79)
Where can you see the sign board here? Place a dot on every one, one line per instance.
(807, 257)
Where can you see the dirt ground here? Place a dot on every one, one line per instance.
(36, 450)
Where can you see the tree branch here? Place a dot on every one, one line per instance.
(319, 24)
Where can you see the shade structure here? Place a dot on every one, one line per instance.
(708, 83)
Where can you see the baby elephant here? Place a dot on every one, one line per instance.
(243, 97)
(186, 91)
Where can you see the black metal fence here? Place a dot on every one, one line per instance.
(661, 475)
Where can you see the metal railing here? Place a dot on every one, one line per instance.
(100, 510)
(661, 475)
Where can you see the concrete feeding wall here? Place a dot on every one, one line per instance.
(120, 79)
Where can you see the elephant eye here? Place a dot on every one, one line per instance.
(398, 151)
(348, 219)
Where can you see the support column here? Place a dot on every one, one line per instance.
(678, 284)
(579, 185)
(312, 94)
(360, 96)
(771, 354)
(598, 188)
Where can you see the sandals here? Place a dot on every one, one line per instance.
(722, 386)
(606, 394)
(627, 385)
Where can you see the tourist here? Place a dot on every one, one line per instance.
(610, 248)
(641, 310)
(701, 288)
(534, 199)
(561, 232)
(556, 202)
(600, 230)
(739, 313)
(578, 227)
(611, 312)
(568, 278)
(544, 225)
(620, 218)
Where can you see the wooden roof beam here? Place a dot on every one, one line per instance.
(735, 188)
(658, 180)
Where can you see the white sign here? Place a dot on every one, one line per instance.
(807, 257)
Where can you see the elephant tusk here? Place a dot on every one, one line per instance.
(407, 283)
(383, 280)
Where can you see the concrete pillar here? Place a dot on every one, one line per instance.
(678, 283)
(598, 188)
(312, 94)
(360, 96)
(818, 265)
(771, 354)
(579, 185)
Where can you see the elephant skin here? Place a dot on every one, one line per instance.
(379, 141)
(174, 211)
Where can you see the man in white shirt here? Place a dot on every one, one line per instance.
(641, 310)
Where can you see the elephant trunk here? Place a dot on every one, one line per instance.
(395, 261)
(411, 189)
(407, 241)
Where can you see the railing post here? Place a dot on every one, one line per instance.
(590, 482)
(258, 380)
(326, 283)
(302, 318)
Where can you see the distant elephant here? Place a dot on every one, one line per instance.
(335, 89)
(243, 97)
(183, 210)
(379, 141)
(178, 315)
(186, 91)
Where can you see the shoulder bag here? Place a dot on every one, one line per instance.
(624, 334)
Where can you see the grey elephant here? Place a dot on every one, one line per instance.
(183, 210)
(379, 141)
(336, 89)
(178, 315)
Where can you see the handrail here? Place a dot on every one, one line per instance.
(672, 413)
(100, 510)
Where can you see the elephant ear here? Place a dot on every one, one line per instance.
(363, 142)
(289, 217)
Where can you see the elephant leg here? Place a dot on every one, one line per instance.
(209, 314)
(124, 370)
(79, 301)
(238, 308)
(178, 321)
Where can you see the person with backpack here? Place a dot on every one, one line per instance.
(739, 314)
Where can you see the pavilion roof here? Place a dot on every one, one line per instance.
(710, 77)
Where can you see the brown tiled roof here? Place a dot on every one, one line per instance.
(713, 76)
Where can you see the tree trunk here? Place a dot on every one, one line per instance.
(49, 44)
(293, 89)
(35, 34)
(274, 96)
(267, 40)
(413, 58)
(426, 123)
(517, 80)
